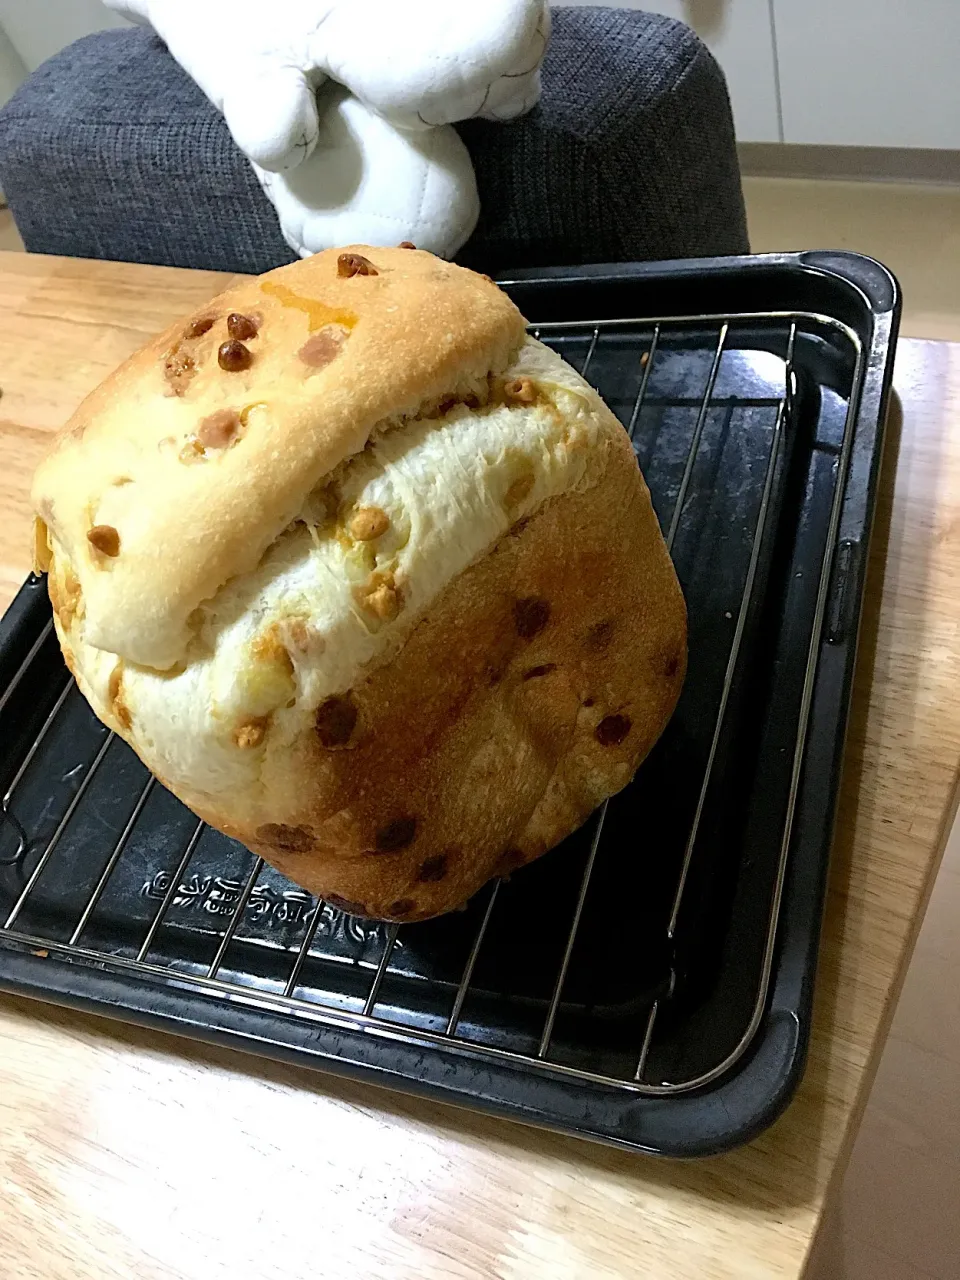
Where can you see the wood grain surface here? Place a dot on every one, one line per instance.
(129, 1153)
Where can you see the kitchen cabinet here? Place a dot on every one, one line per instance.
(859, 73)
(12, 70)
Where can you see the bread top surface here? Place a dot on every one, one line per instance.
(177, 473)
(338, 593)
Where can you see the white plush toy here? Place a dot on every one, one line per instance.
(345, 107)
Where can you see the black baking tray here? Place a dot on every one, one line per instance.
(649, 983)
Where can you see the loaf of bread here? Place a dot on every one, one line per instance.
(366, 576)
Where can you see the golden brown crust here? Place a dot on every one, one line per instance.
(188, 503)
(433, 774)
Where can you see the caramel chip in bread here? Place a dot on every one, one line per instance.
(232, 356)
(115, 696)
(368, 523)
(396, 835)
(41, 546)
(282, 836)
(323, 347)
(434, 868)
(520, 488)
(520, 391)
(612, 730)
(380, 596)
(178, 369)
(105, 539)
(242, 327)
(252, 733)
(355, 264)
(530, 616)
(302, 638)
(192, 451)
(197, 328)
(336, 720)
(219, 429)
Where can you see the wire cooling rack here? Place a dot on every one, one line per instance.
(633, 962)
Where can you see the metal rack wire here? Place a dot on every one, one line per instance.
(651, 337)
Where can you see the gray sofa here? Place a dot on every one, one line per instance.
(110, 151)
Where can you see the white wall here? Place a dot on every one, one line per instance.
(39, 28)
(870, 74)
(12, 69)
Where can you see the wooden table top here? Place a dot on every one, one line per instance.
(127, 1152)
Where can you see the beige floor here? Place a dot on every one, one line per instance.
(897, 1215)
(9, 239)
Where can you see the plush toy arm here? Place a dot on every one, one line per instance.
(426, 63)
(372, 183)
(247, 56)
(272, 113)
